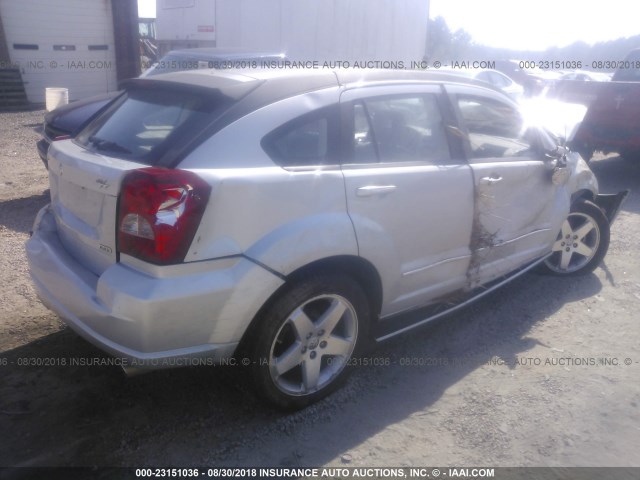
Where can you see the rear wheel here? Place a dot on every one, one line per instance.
(582, 242)
(304, 341)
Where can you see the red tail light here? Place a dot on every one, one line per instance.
(159, 213)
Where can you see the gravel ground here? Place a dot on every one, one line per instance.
(534, 375)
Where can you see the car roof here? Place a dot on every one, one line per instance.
(251, 89)
(351, 77)
(290, 81)
(263, 87)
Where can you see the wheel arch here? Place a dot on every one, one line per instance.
(361, 270)
(583, 194)
(358, 268)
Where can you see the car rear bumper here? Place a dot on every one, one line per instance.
(188, 313)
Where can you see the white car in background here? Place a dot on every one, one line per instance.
(498, 79)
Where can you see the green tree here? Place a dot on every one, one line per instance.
(444, 45)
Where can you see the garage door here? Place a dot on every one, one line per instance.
(61, 43)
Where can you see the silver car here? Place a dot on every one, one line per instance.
(282, 220)
(498, 79)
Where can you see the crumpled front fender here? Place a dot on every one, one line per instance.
(611, 203)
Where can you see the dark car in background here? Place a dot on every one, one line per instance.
(534, 81)
(612, 121)
(67, 121)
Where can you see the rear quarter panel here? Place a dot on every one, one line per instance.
(282, 218)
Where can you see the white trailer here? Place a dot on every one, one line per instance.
(322, 30)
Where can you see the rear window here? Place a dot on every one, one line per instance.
(144, 124)
(309, 140)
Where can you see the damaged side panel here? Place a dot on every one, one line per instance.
(518, 212)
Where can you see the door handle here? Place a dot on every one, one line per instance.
(491, 180)
(371, 190)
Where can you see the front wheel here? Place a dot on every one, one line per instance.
(582, 242)
(304, 340)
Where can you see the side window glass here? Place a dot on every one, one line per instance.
(496, 130)
(303, 141)
(400, 129)
(364, 150)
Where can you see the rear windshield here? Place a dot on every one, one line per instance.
(143, 125)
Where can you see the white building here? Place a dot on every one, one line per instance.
(68, 43)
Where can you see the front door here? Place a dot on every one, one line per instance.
(518, 209)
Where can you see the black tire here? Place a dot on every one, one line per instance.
(581, 244)
(307, 352)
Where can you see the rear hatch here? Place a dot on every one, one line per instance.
(152, 125)
(84, 196)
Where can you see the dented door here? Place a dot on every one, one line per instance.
(518, 210)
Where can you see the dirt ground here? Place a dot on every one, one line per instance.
(542, 373)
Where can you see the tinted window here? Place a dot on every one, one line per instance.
(143, 124)
(363, 142)
(495, 129)
(306, 141)
(399, 129)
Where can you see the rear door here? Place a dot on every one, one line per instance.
(84, 194)
(410, 199)
(518, 210)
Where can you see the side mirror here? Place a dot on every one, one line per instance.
(558, 156)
